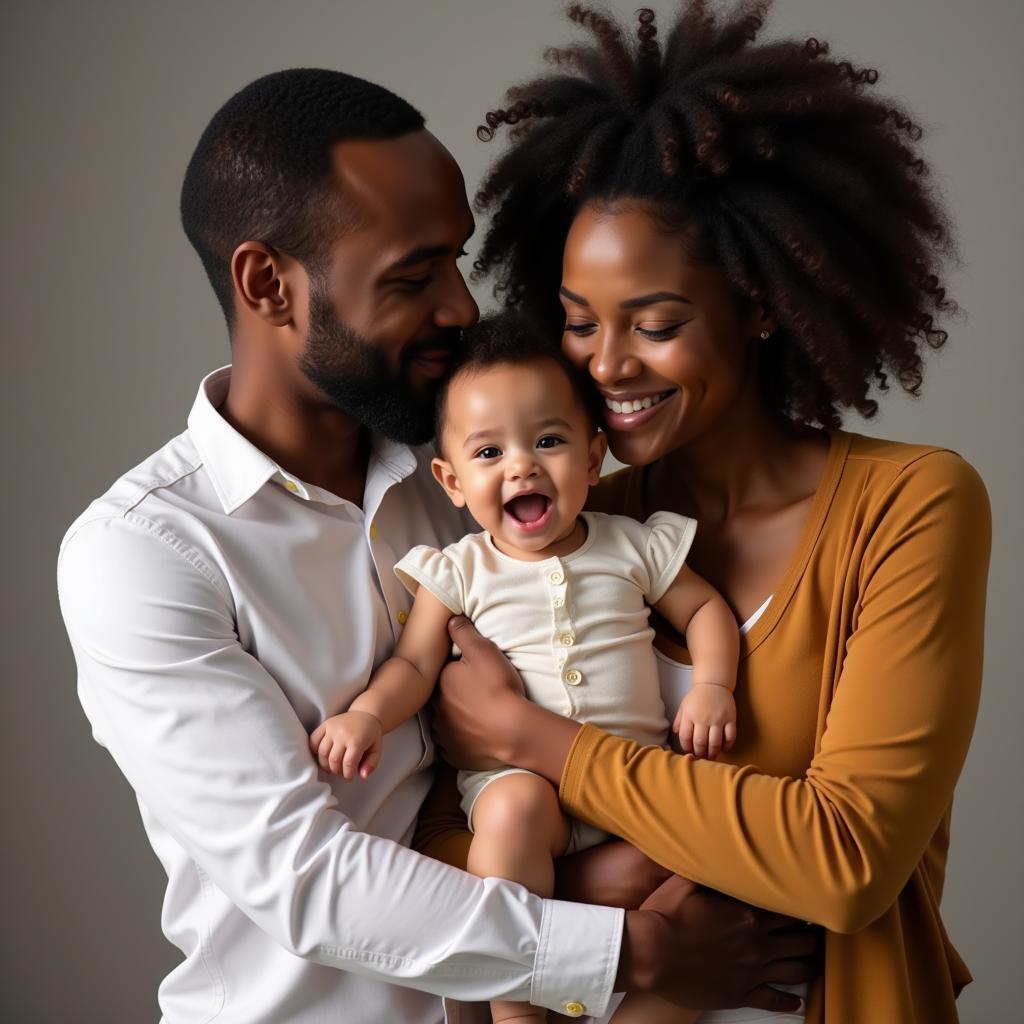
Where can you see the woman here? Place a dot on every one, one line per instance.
(744, 243)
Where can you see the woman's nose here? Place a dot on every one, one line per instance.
(613, 360)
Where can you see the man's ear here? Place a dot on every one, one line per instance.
(598, 449)
(445, 476)
(262, 280)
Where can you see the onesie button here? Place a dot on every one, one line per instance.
(567, 639)
(573, 678)
(573, 1008)
(557, 576)
(402, 618)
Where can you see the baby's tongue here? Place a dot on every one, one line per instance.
(528, 508)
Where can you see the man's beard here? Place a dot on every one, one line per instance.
(355, 376)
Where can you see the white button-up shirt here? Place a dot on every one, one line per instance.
(219, 609)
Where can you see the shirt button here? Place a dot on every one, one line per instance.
(558, 602)
(292, 486)
(567, 639)
(402, 618)
(567, 711)
(557, 576)
(573, 678)
(574, 1008)
(373, 531)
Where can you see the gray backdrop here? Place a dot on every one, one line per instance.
(109, 324)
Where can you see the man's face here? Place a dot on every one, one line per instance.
(386, 315)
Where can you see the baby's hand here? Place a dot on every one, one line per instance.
(348, 744)
(706, 721)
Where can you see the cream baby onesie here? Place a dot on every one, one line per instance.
(576, 628)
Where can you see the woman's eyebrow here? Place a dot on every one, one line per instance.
(650, 300)
(573, 297)
(640, 300)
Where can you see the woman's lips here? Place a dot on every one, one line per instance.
(631, 420)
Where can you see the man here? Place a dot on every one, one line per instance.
(236, 588)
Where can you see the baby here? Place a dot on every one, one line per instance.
(564, 593)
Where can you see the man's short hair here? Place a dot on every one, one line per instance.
(511, 338)
(262, 168)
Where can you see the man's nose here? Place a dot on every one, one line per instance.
(457, 307)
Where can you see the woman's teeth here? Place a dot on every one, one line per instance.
(636, 404)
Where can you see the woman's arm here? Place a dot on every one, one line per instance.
(838, 845)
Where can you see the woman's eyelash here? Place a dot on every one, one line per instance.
(654, 335)
(661, 332)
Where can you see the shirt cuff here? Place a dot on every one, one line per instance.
(577, 958)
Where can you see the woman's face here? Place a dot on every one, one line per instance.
(663, 337)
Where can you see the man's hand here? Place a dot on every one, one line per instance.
(476, 702)
(701, 949)
(348, 745)
(706, 721)
(614, 874)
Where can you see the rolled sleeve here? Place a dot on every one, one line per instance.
(578, 956)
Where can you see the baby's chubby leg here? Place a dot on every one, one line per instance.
(518, 831)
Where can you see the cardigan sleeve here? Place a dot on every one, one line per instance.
(838, 845)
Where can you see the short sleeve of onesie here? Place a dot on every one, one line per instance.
(427, 567)
(668, 543)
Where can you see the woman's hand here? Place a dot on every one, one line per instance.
(482, 718)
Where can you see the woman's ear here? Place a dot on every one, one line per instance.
(261, 281)
(765, 324)
(598, 449)
(445, 476)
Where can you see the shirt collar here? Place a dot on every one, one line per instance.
(238, 469)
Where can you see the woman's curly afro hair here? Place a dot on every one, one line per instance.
(803, 185)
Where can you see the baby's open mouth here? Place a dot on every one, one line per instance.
(528, 509)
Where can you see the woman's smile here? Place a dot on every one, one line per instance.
(627, 411)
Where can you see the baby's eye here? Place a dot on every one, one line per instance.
(549, 441)
(488, 452)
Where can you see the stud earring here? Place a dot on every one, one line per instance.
(765, 334)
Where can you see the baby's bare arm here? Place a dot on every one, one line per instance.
(695, 608)
(403, 684)
(706, 719)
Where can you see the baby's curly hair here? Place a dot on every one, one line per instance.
(802, 183)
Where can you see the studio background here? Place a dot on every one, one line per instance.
(108, 325)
